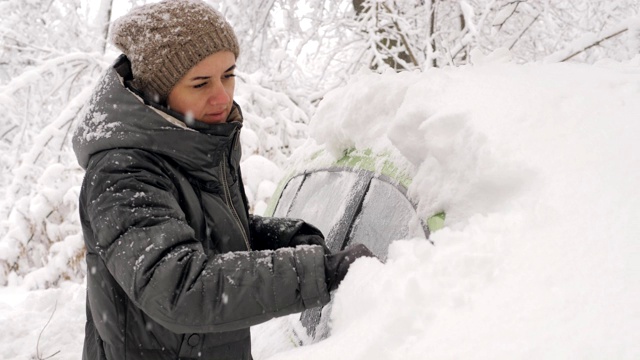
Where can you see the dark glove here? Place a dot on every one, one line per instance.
(269, 233)
(298, 240)
(336, 265)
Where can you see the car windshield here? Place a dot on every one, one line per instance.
(386, 215)
(351, 207)
(322, 198)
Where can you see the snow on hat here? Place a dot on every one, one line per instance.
(164, 40)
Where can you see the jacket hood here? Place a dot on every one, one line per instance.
(118, 117)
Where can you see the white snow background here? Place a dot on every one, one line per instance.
(537, 167)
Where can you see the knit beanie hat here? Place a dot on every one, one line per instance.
(164, 40)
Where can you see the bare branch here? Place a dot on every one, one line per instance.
(105, 26)
(515, 5)
(524, 31)
(403, 38)
(595, 43)
(432, 30)
(40, 335)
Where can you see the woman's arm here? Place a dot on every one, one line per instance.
(142, 235)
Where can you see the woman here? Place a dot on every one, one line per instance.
(176, 267)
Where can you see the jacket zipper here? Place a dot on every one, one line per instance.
(227, 197)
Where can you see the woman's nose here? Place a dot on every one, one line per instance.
(218, 94)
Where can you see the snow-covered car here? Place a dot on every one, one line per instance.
(535, 166)
(360, 198)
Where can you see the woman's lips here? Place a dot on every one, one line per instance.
(216, 117)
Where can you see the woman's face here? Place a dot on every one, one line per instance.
(205, 93)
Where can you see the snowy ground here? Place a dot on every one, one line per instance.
(537, 168)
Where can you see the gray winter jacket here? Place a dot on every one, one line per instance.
(176, 267)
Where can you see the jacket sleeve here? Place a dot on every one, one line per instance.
(142, 235)
(270, 233)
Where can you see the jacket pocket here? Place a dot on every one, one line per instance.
(146, 335)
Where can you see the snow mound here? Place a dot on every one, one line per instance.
(537, 168)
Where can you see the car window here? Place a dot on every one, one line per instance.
(353, 205)
(386, 215)
(288, 194)
(323, 200)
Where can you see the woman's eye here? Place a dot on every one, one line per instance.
(227, 76)
(199, 85)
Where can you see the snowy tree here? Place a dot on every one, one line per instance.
(389, 30)
(581, 30)
(51, 64)
(405, 35)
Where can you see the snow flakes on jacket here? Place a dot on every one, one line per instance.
(166, 228)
